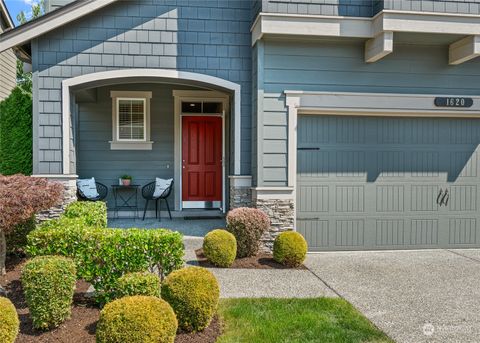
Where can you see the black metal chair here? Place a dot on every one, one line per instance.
(102, 193)
(147, 193)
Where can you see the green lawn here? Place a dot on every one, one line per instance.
(295, 320)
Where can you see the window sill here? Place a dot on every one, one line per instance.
(130, 145)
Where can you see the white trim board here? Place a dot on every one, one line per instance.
(145, 74)
(378, 30)
(49, 22)
(361, 104)
(194, 95)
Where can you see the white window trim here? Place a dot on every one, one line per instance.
(130, 144)
(144, 100)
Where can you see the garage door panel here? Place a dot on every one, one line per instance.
(462, 231)
(382, 185)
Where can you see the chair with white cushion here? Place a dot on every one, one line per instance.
(90, 190)
(157, 190)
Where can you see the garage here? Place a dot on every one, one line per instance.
(379, 182)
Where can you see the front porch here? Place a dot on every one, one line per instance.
(156, 127)
(185, 225)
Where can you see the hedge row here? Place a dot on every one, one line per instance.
(16, 133)
(103, 255)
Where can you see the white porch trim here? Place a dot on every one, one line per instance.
(378, 29)
(153, 74)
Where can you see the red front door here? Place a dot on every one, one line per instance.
(202, 158)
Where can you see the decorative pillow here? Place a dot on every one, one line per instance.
(88, 188)
(160, 186)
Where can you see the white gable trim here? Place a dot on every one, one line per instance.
(144, 74)
(49, 22)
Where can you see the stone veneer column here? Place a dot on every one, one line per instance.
(240, 191)
(69, 195)
(278, 203)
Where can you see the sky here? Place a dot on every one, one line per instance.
(16, 6)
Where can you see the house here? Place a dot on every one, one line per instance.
(8, 61)
(353, 122)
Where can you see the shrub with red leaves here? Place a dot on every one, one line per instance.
(247, 225)
(20, 198)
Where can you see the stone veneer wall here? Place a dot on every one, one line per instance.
(69, 195)
(281, 213)
(240, 197)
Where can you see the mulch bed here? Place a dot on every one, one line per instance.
(262, 260)
(80, 328)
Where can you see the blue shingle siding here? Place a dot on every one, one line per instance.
(365, 8)
(208, 37)
(340, 67)
(441, 6)
(355, 8)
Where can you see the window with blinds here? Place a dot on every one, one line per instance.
(131, 119)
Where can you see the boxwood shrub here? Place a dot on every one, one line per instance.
(93, 213)
(9, 323)
(48, 283)
(290, 248)
(193, 293)
(220, 248)
(140, 283)
(137, 319)
(103, 255)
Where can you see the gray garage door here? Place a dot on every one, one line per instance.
(387, 183)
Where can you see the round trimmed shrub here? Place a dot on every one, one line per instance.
(220, 247)
(140, 283)
(48, 283)
(290, 248)
(247, 225)
(193, 293)
(137, 319)
(9, 323)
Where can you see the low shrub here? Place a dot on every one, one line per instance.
(140, 283)
(9, 323)
(290, 248)
(137, 319)
(193, 293)
(247, 225)
(104, 255)
(220, 247)
(17, 238)
(93, 213)
(48, 283)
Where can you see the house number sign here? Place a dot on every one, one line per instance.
(453, 102)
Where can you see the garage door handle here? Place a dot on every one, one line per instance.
(308, 148)
(439, 196)
(442, 198)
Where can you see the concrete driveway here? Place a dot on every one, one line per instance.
(413, 296)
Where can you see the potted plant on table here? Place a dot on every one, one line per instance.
(126, 180)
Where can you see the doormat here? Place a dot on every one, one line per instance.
(202, 217)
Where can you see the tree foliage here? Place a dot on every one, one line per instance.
(16, 133)
(24, 79)
(23, 196)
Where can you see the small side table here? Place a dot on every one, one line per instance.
(126, 198)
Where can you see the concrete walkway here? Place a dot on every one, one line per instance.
(413, 296)
(261, 283)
